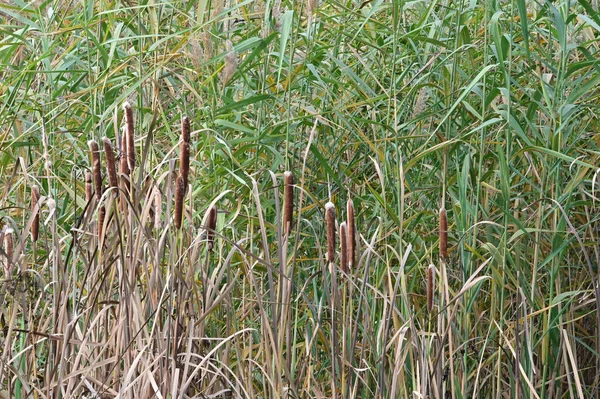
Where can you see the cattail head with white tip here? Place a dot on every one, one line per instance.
(351, 227)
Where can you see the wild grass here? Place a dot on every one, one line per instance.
(197, 253)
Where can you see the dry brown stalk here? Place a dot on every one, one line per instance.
(443, 234)
(211, 226)
(184, 150)
(344, 247)
(35, 227)
(129, 134)
(330, 222)
(430, 287)
(96, 168)
(288, 201)
(179, 197)
(351, 234)
(88, 186)
(110, 162)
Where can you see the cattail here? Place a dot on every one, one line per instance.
(179, 197)
(89, 190)
(330, 221)
(124, 165)
(430, 287)
(443, 234)
(184, 150)
(110, 162)
(344, 247)
(130, 138)
(9, 244)
(288, 201)
(101, 216)
(211, 226)
(351, 242)
(96, 167)
(35, 227)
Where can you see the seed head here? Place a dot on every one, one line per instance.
(211, 226)
(179, 197)
(430, 287)
(443, 234)
(96, 167)
(288, 201)
(351, 233)
(35, 227)
(110, 162)
(344, 247)
(129, 134)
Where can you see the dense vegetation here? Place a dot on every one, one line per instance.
(155, 283)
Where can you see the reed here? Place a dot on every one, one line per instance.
(129, 136)
(330, 223)
(35, 226)
(288, 201)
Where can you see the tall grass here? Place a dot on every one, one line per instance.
(221, 260)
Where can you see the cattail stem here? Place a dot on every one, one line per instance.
(211, 226)
(288, 201)
(330, 222)
(179, 197)
(129, 135)
(344, 247)
(443, 234)
(351, 234)
(35, 226)
(96, 168)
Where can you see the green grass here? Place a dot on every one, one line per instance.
(485, 108)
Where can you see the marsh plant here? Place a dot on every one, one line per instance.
(250, 199)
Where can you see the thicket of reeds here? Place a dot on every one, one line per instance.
(299, 199)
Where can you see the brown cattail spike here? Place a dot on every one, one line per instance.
(443, 234)
(330, 222)
(179, 197)
(9, 245)
(430, 287)
(351, 234)
(96, 168)
(344, 247)
(288, 201)
(101, 216)
(110, 162)
(89, 190)
(211, 226)
(129, 134)
(184, 150)
(35, 226)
